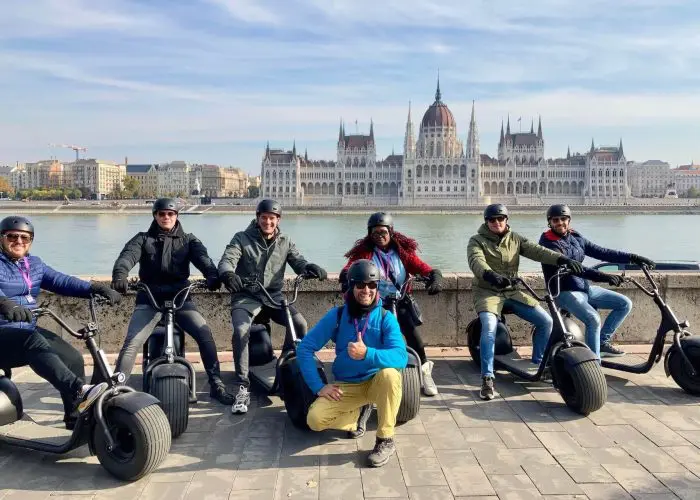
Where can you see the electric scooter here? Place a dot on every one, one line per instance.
(281, 376)
(575, 371)
(126, 429)
(167, 374)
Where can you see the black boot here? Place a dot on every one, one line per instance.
(365, 413)
(218, 391)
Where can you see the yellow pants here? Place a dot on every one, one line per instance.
(384, 390)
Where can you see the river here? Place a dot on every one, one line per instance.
(89, 244)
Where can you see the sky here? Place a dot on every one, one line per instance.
(212, 81)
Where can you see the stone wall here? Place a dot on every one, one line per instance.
(446, 315)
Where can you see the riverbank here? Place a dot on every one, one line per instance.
(125, 209)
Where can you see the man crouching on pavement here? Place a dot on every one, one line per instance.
(370, 351)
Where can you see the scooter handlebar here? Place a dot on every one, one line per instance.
(141, 286)
(561, 272)
(253, 285)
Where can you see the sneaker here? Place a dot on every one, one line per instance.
(429, 387)
(88, 395)
(609, 351)
(217, 390)
(242, 401)
(365, 413)
(382, 452)
(487, 391)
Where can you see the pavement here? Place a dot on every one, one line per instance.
(643, 444)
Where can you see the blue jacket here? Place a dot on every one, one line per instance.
(12, 285)
(576, 247)
(386, 347)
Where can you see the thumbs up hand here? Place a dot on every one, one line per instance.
(357, 350)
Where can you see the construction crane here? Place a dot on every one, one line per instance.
(77, 149)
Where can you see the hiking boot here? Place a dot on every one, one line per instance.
(217, 390)
(242, 401)
(88, 394)
(71, 419)
(429, 387)
(487, 391)
(607, 350)
(365, 413)
(382, 452)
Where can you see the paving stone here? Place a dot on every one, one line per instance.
(559, 443)
(414, 446)
(478, 483)
(583, 430)
(164, 491)
(635, 479)
(605, 491)
(683, 454)
(252, 495)
(514, 486)
(471, 415)
(423, 463)
(653, 458)
(480, 435)
(535, 416)
(383, 482)
(341, 489)
(429, 493)
(517, 435)
(551, 479)
(584, 469)
(255, 479)
(415, 477)
(297, 483)
(683, 484)
(211, 484)
(25, 494)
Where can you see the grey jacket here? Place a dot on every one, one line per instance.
(250, 257)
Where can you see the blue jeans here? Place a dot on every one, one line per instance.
(536, 315)
(582, 304)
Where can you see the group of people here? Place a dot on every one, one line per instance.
(370, 343)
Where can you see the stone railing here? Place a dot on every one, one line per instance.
(446, 315)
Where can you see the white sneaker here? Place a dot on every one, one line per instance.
(242, 401)
(429, 387)
(88, 395)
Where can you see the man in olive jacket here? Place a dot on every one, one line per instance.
(261, 253)
(494, 256)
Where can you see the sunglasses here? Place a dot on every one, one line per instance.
(380, 233)
(24, 238)
(372, 285)
(166, 213)
(499, 218)
(559, 219)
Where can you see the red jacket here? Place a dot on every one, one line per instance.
(405, 246)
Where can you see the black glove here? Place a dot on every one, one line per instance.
(639, 260)
(497, 280)
(434, 284)
(574, 266)
(120, 285)
(343, 278)
(316, 271)
(232, 282)
(13, 311)
(613, 279)
(105, 291)
(213, 284)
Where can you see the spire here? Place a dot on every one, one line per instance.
(508, 126)
(294, 149)
(306, 155)
(409, 144)
(532, 126)
(539, 128)
(568, 152)
(473, 137)
(502, 137)
(340, 131)
(622, 154)
(592, 145)
(267, 150)
(438, 95)
(371, 129)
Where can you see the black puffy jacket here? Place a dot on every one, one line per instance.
(164, 260)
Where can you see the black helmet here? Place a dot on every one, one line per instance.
(494, 210)
(16, 223)
(380, 219)
(165, 204)
(558, 211)
(268, 206)
(363, 271)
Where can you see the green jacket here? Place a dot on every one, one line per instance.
(501, 254)
(251, 257)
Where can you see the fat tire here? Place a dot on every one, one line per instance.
(149, 443)
(174, 396)
(410, 394)
(298, 397)
(583, 386)
(679, 371)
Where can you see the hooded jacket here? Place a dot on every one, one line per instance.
(252, 257)
(164, 260)
(574, 246)
(41, 276)
(386, 347)
(501, 254)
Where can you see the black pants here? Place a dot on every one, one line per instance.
(21, 347)
(145, 319)
(242, 319)
(411, 332)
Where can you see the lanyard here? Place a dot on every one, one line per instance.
(25, 274)
(364, 328)
(385, 263)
